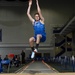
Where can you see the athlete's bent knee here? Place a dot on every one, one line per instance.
(31, 39)
(39, 36)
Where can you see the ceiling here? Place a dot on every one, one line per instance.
(14, 0)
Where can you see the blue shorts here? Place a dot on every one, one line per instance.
(42, 39)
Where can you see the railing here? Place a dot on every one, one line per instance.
(60, 43)
(23, 45)
(63, 50)
(59, 29)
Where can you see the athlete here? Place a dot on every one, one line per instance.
(39, 28)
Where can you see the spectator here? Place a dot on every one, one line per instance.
(23, 56)
(0, 58)
(16, 60)
(6, 58)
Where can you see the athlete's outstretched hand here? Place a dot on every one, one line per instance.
(30, 2)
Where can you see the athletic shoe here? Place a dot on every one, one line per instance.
(33, 55)
(35, 50)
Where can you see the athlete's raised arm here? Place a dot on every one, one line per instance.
(39, 11)
(28, 11)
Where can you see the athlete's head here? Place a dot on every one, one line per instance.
(37, 16)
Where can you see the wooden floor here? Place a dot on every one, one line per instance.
(41, 74)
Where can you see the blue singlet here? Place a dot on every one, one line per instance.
(39, 28)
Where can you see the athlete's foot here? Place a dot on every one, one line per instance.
(35, 50)
(32, 55)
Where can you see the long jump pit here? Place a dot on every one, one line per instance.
(41, 74)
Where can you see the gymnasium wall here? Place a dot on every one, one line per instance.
(17, 51)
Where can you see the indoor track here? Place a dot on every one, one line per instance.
(38, 67)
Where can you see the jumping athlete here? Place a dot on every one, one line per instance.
(38, 26)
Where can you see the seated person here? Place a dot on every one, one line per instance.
(16, 60)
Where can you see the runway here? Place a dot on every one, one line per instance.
(37, 67)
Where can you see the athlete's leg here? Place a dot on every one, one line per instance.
(38, 37)
(31, 42)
